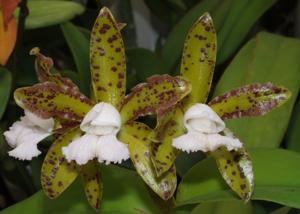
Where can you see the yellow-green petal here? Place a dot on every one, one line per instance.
(198, 59)
(43, 67)
(57, 174)
(236, 169)
(139, 145)
(49, 100)
(249, 100)
(107, 59)
(92, 181)
(163, 153)
(156, 96)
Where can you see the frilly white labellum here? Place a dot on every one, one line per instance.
(24, 135)
(101, 125)
(205, 132)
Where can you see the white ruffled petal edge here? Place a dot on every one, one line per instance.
(196, 141)
(24, 136)
(25, 151)
(107, 149)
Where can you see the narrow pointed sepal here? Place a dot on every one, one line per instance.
(107, 60)
(139, 145)
(198, 59)
(236, 168)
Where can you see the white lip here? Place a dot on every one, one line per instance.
(101, 124)
(204, 127)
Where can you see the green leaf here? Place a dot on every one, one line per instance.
(136, 135)
(293, 134)
(43, 14)
(124, 193)
(223, 207)
(5, 86)
(282, 210)
(93, 184)
(232, 18)
(155, 96)
(79, 46)
(57, 174)
(107, 60)
(145, 62)
(236, 169)
(49, 100)
(276, 179)
(198, 59)
(239, 20)
(249, 100)
(252, 65)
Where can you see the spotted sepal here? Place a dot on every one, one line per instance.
(136, 136)
(57, 174)
(236, 169)
(92, 181)
(49, 100)
(156, 96)
(249, 100)
(168, 127)
(198, 59)
(107, 59)
(43, 67)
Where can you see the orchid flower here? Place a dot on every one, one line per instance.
(195, 126)
(102, 129)
(24, 135)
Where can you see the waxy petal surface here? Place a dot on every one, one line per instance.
(92, 181)
(236, 169)
(57, 174)
(139, 145)
(198, 59)
(156, 96)
(50, 100)
(249, 100)
(107, 60)
(168, 127)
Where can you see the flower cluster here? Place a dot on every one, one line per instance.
(103, 129)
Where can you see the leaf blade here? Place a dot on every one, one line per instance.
(5, 86)
(250, 66)
(79, 46)
(202, 183)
